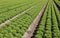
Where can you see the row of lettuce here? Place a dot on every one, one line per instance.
(58, 2)
(49, 26)
(6, 5)
(14, 10)
(17, 27)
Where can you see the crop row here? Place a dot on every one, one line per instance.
(58, 2)
(49, 24)
(5, 3)
(17, 27)
(14, 6)
(57, 15)
(55, 28)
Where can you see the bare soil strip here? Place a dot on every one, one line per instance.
(32, 27)
(9, 20)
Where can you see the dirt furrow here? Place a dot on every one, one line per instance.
(32, 27)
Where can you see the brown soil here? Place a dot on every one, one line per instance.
(9, 20)
(33, 26)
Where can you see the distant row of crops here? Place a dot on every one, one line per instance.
(48, 27)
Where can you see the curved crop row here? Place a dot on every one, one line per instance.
(57, 14)
(55, 28)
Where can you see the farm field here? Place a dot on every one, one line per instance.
(29, 18)
(58, 2)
